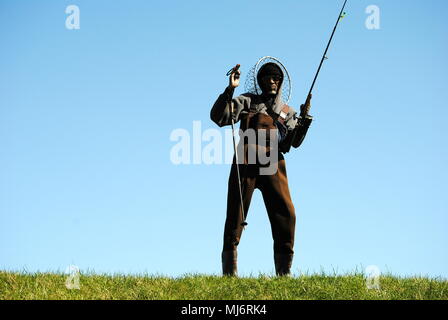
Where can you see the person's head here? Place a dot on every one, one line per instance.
(270, 78)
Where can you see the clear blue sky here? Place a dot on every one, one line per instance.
(86, 116)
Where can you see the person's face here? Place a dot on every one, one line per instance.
(271, 83)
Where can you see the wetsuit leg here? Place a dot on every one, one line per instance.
(277, 199)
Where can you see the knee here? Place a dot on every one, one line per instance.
(230, 242)
(288, 212)
(284, 247)
(292, 211)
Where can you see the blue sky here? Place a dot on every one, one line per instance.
(86, 116)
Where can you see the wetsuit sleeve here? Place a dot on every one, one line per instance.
(303, 124)
(221, 110)
(298, 126)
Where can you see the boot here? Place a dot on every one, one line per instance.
(229, 263)
(283, 262)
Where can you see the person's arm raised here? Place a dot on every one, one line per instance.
(221, 111)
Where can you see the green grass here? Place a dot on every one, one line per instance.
(201, 287)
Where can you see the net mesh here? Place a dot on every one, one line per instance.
(252, 86)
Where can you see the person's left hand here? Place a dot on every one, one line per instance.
(305, 108)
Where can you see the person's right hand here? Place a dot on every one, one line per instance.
(234, 78)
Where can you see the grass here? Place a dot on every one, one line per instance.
(14, 285)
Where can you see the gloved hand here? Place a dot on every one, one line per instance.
(234, 78)
(305, 108)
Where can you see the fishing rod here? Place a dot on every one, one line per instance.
(324, 57)
(243, 219)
